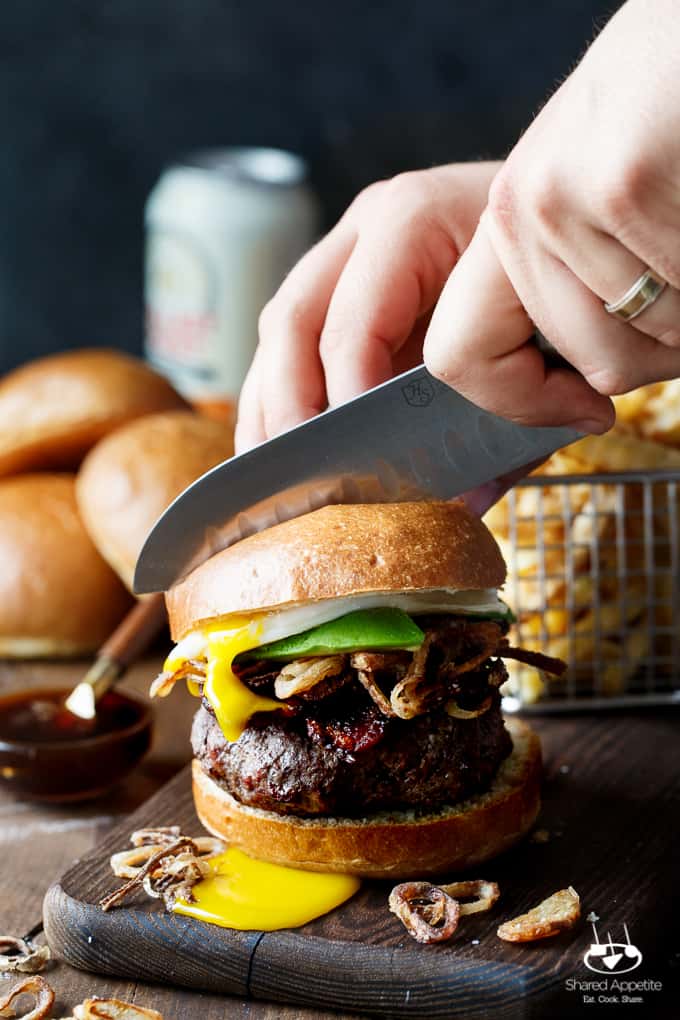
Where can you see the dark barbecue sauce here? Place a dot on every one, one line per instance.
(46, 753)
(39, 717)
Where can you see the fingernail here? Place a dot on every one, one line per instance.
(590, 425)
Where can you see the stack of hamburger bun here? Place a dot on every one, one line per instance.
(68, 541)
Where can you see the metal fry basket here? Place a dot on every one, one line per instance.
(594, 579)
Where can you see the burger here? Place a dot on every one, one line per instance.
(348, 663)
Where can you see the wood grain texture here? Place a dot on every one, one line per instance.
(39, 842)
(611, 794)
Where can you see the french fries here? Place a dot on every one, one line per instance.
(652, 412)
(589, 574)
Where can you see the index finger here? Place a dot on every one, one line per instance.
(391, 280)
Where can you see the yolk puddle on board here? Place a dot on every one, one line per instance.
(254, 895)
(232, 701)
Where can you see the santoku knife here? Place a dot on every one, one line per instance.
(410, 438)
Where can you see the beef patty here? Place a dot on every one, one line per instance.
(286, 763)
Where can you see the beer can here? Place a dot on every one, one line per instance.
(223, 227)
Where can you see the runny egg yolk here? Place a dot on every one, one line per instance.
(242, 892)
(232, 701)
(254, 895)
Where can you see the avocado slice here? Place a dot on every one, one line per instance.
(363, 630)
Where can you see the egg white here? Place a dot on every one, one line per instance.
(283, 623)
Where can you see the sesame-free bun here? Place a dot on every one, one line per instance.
(131, 476)
(54, 409)
(391, 844)
(57, 595)
(338, 551)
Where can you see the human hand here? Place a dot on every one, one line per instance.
(353, 312)
(588, 199)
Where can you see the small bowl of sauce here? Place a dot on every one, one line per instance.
(48, 754)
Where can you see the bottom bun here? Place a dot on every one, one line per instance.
(389, 844)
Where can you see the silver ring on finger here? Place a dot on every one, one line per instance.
(644, 292)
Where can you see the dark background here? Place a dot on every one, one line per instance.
(96, 96)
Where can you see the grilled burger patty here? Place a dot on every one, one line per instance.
(297, 764)
(371, 731)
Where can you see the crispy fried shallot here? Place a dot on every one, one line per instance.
(191, 669)
(484, 638)
(367, 665)
(164, 863)
(485, 895)
(41, 992)
(175, 878)
(453, 709)
(128, 863)
(546, 663)
(302, 674)
(162, 835)
(475, 641)
(559, 912)
(426, 911)
(430, 913)
(20, 956)
(113, 1009)
(153, 864)
(411, 692)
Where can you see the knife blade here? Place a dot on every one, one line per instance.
(410, 438)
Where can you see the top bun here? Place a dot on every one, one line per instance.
(57, 595)
(338, 551)
(131, 476)
(54, 409)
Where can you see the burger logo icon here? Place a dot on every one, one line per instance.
(612, 957)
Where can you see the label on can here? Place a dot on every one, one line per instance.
(223, 229)
(181, 306)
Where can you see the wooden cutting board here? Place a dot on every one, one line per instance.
(611, 815)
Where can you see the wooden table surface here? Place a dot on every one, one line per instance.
(40, 842)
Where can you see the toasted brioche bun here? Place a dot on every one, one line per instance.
(391, 844)
(57, 595)
(338, 551)
(54, 409)
(131, 476)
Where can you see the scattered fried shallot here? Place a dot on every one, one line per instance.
(162, 835)
(41, 992)
(175, 878)
(18, 955)
(164, 863)
(113, 1009)
(426, 911)
(485, 895)
(302, 674)
(558, 913)
(128, 863)
(430, 913)
(153, 865)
